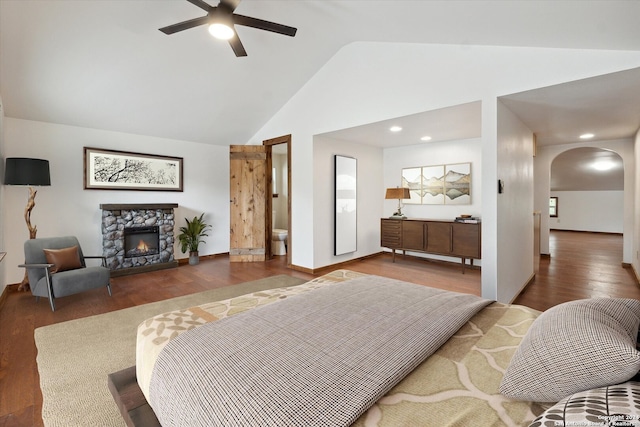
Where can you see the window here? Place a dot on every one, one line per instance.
(553, 207)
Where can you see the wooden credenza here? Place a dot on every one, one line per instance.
(439, 237)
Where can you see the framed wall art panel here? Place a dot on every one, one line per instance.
(412, 179)
(439, 184)
(122, 170)
(457, 184)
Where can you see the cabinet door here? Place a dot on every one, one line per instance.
(413, 235)
(439, 237)
(391, 233)
(466, 240)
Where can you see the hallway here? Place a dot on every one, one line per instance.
(582, 265)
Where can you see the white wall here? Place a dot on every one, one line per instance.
(634, 259)
(599, 211)
(515, 204)
(368, 82)
(3, 281)
(66, 208)
(369, 176)
(434, 153)
(542, 165)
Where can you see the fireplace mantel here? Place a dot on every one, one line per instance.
(124, 206)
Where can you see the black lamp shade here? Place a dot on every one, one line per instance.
(23, 171)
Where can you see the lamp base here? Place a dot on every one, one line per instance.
(396, 216)
(33, 230)
(24, 285)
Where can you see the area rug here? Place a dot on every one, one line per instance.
(75, 357)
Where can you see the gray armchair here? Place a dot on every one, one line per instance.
(45, 281)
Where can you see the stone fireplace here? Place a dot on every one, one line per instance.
(138, 237)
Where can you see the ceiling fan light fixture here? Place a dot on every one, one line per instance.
(587, 136)
(221, 31)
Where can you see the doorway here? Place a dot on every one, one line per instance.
(587, 187)
(278, 206)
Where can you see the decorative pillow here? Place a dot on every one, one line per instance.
(64, 259)
(573, 347)
(611, 405)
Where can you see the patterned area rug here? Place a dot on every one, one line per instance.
(75, 357)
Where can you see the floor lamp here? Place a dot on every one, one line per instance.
(29, 172)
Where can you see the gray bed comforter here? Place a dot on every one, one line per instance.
(317, 359)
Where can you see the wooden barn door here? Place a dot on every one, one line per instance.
(250, 176)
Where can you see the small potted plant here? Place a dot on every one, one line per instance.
(191, 236)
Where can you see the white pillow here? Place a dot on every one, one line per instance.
(573, 347)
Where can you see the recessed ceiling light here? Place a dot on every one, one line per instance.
(395, 128)
(587, 136)
(425, 138)
(603, 165)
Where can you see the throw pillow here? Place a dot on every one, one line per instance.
(610, 405)
(64, 259)
(573, 347)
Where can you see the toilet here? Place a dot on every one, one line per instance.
(278, 239)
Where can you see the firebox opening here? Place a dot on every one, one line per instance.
(141, 241)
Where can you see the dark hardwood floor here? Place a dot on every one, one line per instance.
(583, 265)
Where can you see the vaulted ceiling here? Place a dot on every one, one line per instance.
(104, 64)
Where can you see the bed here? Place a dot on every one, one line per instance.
(474, 375)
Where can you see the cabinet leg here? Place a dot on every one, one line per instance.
(463, 263)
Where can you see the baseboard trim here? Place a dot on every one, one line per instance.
(633, 270)
(330, 267)
(185, 261)
(527, 283)
(13, 287)
(588, 231)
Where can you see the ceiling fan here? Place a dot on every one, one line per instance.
(221, 20)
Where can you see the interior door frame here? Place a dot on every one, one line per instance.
(284, 139)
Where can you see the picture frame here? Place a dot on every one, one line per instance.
(412, 179)
(457, 184)
(448, 184)
(124, 170)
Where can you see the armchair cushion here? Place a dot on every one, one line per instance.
(81, 279)
(63, 259)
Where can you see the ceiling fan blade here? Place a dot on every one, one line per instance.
(185, 25)
(261, 24)
(230, 5)
(237, 46)
(201, 4)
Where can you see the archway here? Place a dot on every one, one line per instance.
(588, 186)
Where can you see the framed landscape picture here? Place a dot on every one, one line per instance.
(457, 184)
(122, 170)
(439, 184)
(412, 179)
